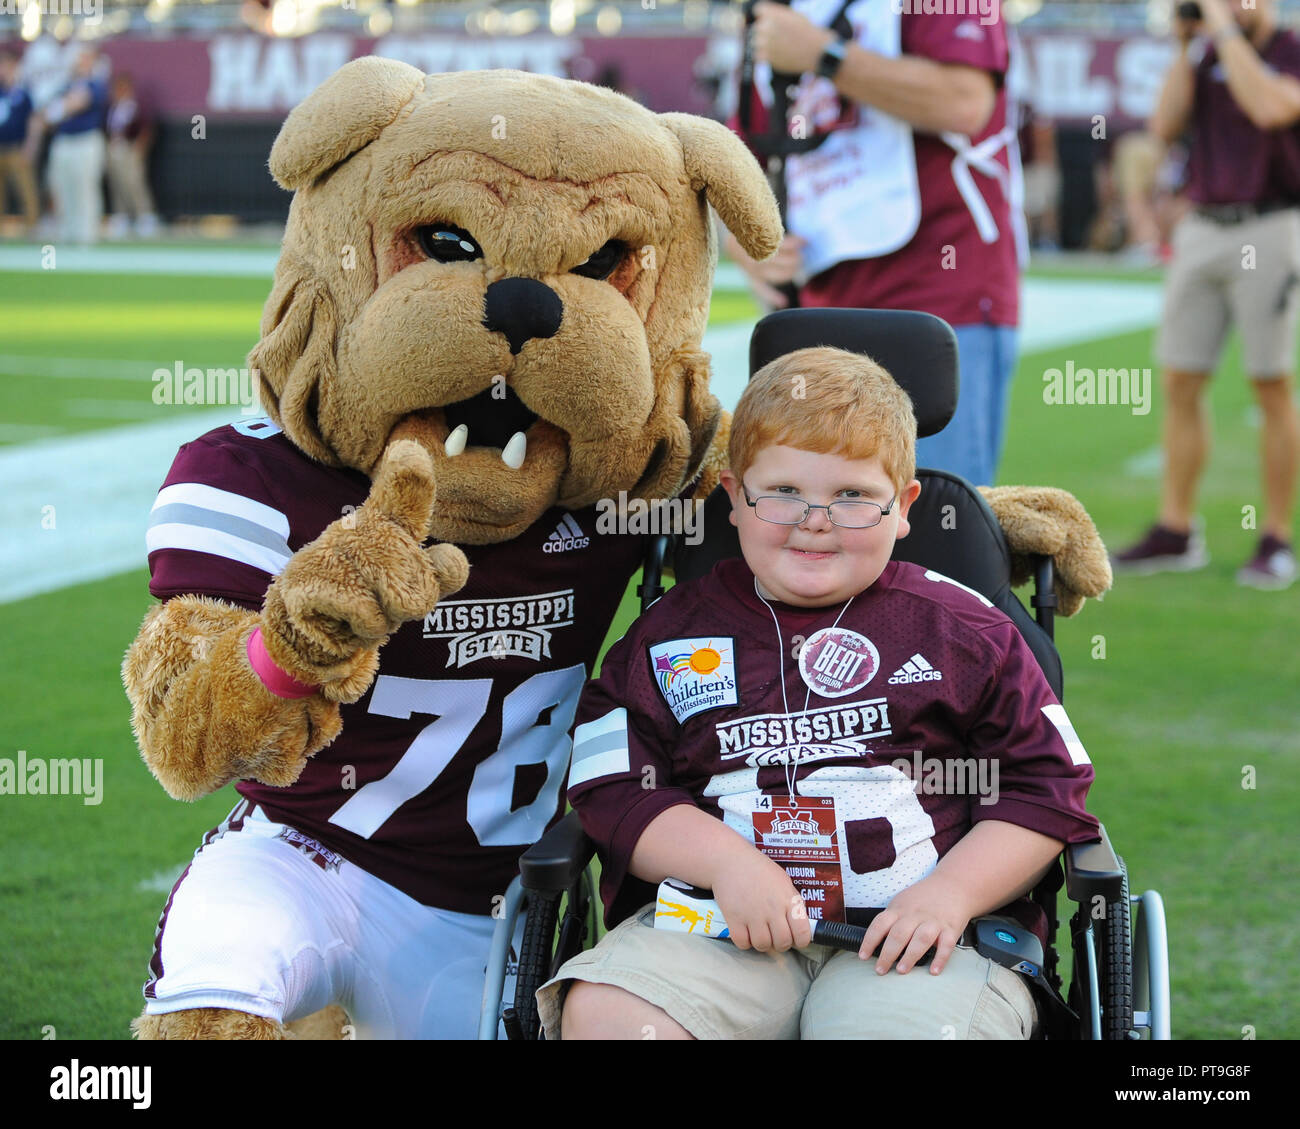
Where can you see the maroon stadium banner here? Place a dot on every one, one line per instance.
(1073, 78)
(251, 76)
(1069, 77)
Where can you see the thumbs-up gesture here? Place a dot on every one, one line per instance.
(340, 598)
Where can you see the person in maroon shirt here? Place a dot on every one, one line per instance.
(930, 216)
(130, 137)
(1236, 259)
(771, 732)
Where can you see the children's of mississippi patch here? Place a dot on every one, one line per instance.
(695, 675)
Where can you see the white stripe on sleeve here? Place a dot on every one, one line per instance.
(218, 543)
(1056, 714)
(224, 502)
(600, 748)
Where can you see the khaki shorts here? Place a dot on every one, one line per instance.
(1211, 286)
(1137, 161)
(717, 991)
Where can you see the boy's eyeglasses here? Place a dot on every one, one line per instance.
(781, 509)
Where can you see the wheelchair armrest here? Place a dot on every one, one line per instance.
(556, 861)
(1092, 869)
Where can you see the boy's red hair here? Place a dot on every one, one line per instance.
(828, 401)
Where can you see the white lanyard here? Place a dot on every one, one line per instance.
(792, 766)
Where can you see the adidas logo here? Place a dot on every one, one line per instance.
(916, 669)
(568, 535)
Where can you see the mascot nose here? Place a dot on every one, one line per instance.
(522, 308)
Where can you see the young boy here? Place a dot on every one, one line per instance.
(785, 716)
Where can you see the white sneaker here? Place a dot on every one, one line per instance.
(1272, 567)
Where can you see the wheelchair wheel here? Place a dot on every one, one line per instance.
(1151, 1017)
(1115, 966)
(535, 958)
(1101, 989)
(550, 938)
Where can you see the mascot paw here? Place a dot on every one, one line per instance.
(341, 597)
(1041, 520)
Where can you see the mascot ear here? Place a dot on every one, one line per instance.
(295, 358)
(345, 113)
(718, 162)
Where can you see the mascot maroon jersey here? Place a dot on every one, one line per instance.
(854, 744)
(452, 763)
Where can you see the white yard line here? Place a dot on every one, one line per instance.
(102, 484)
(728, 349)
(77, 368)
(1067, 311)
(26, 432)
(161, 881)
(99, 488)
(111, 409)
(230, 262)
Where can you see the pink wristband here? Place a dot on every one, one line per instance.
(279, 682)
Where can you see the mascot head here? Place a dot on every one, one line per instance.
(512, 269)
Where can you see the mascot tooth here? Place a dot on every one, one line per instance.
(515, 450)
(456, 440)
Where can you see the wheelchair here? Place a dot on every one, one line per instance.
(1119, 989)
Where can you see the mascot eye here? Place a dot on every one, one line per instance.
(446, 244)
(603, 262)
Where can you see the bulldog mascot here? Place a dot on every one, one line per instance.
(379, 603)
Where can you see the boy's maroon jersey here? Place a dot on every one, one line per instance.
(917, 714)
(452, 763)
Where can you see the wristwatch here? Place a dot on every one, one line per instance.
(832, 58)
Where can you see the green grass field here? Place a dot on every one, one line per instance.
(1188, 700)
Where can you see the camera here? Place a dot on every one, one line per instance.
(1189, 10)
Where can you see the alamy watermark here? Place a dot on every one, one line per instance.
(950, 776)
(102, 1083)
(38, 776)
(89, 10)
(988, 11)
(1103, 386)
(181, 385)
(676, 516)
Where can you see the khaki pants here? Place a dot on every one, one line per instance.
(717, 991)
(128, 182)
(16, 169)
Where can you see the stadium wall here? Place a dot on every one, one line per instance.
(219, 99)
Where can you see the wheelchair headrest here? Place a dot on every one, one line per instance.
(953, 531)
(918, 350)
